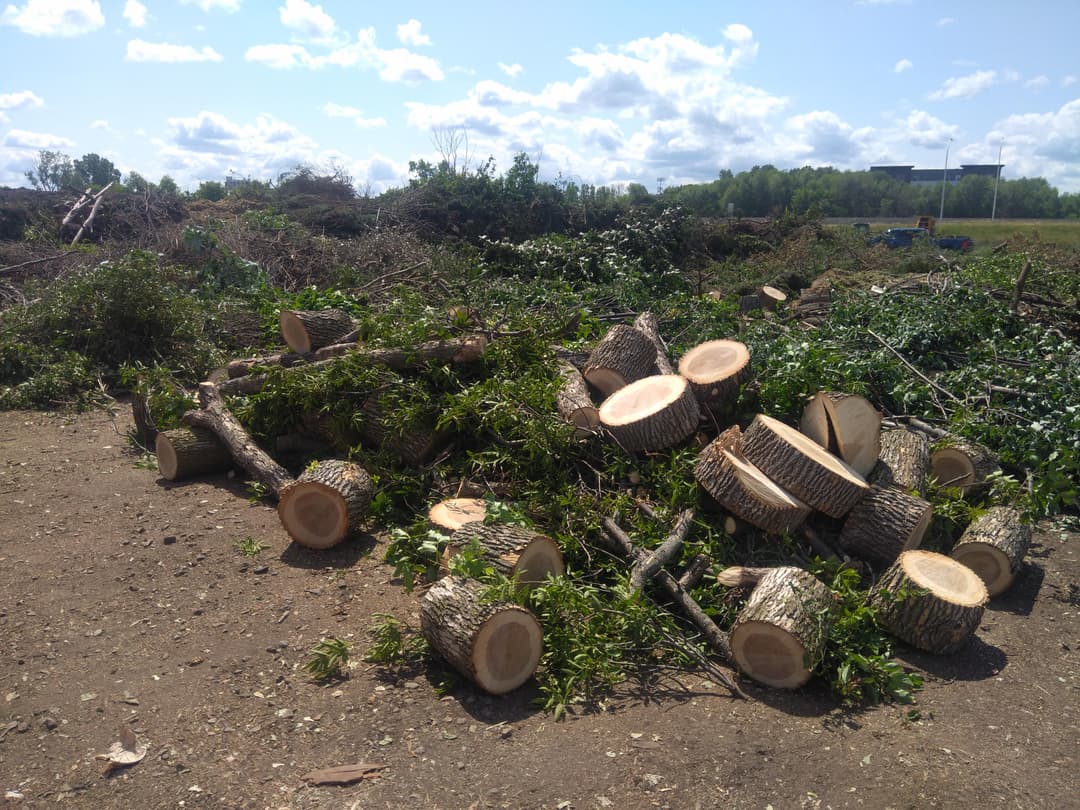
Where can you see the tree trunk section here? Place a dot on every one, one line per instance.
(511, 550)
(190, 452)
(886, 522)
(450, 515)
(930, 601)
(846, 425)
(780, 635)
(963, 464)
(145, 430)
(325, 504)
(243, 367)
(622, 356)
(716, 370)
(993, 546)
(749, 303)
(904, 461)
(647, 324)
(307, 330)
(801, 466)
(574, 401)
(495, 645)
(651, 414)
(814, 303)
(771, 298)
(414, 447)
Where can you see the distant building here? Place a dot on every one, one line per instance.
(231, 182)
(909, 174)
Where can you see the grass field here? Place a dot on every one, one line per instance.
(986, 232)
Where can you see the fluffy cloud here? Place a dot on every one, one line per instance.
(945, 21)
(21, 139)
(141, 51)
(965, 86)
(356, 115)
(306, 19)
(20, 100)
(135, 13)
(1037, 83)
(1045, 144)
(409, 34)
(922, 129)
(210, 5)
(55, 18)
(902, 65)
(1069, 80)
(513, 71)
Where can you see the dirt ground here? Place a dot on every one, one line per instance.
(124, 603)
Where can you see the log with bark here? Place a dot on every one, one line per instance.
(574, 401)
(904, 461)
(190, 452)
(930, 601)
(886, 522)
(511, 550)
(771, 297)
(749, 303)
(415, 447)
(716, 370)
(780, 634)
(496, 645)
(651, 414)
(449, 515)
(963, 464)
(804, 468)
(325, 504)
(846, 425)
(243, 367)
(745, 491)
(814, 303)
(623, 355)
(993, 546)
(306, 330)
(647, 566)
(647, 324)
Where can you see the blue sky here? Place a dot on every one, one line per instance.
(595, 91)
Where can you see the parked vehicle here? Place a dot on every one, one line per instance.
(907, 237)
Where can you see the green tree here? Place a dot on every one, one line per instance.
(52, 172)
(166, 185)
(94, 170)
(210, 190)
(137, 183)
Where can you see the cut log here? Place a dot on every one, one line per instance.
(652, 413)
(963, 464)
(771, 297)
(145, 430)
(780, 635)
(884, 523)
(993, 546)
(496, 645)
(743, 489)
(741, 576)
(846, 425)
(647, 324)
(749, 303)
(716, 371)
(804, 468)
(622, 356)
(511, 550)
(930, 601)
(189, 452)
(306, 330)
(574, 401)
(904, 461)
(450, 515)
(243, 367)
(414, 447)
(814, 302)
(325, 504)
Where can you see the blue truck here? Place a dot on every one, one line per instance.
(908, 237)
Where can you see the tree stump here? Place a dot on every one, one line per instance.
(623, 355)
(804, 468)
(189, 452)
(780, 635)
(450, 515)
(651, 414)
(745, 491)
(904, 461)
(511, 550)
(846, 425)
(993, 546)
(771, 297)
(884, 523)
(930, 601)
(574, 401)
(716, 371)
(325, 504)
(963, 464)
(306, 330)
(496, 645)
(749, 303)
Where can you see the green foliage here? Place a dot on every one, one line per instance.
(250, 547)
(328, 659)
(211, 190)
(394, 642)
(166, 398)
(52, 172)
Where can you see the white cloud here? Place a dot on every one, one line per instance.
(100, 123)
(920, 128)
(965, 86)
(409, 34)
(135, 13)
(55, 18)
(945, 21)
(1069, 80)
(210, 5)
(139, 50)
(20, 100)
(513, 71)
(902, 65)
(356, 115)
(280, 57)
(1037, 83)
(823, 137)
(307, 19)
(21, 139)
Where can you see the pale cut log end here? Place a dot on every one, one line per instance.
(450, 515)
(313, 514)
(507, 651)
(738, 576)
(770, 655)
(541, 559)
(991, 565)
(190, 452)
(293, 332)
(652, 413)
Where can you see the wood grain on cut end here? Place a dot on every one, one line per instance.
(453, 513)
(325, 503)
(993, 546)
(651, 414)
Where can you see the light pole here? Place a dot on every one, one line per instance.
(944, 179)
(997, 179)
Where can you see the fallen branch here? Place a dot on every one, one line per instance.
(651, 562)
(1019, 290)
(88, 225)
(912, 368)
(13, 267)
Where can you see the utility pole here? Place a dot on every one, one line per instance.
(944, 180)
(997, 179)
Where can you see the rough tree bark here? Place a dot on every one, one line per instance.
(993, 546)
(622, 356)
(574, 401)
(189, 452)
(904, 461)
(716, 371)
(647, 324)
(307, 330)
(325, 504)
(964, 464)
(651, 414)
(885, 522)
(511, 550)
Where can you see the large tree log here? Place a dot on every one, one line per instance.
(307, 330)
(574, 401)
(716, 371)
(496, 645)
(801, 466)
(243, 367)
(743, 489)
(780, 635)
(189, 452)
(451, 514)
(930, 601)
(325, 504)
(963, 464)
(884, 523)
(511, 550)
(904, 461)
(414, 447)
(651, 414)
(993, 546)
(622, 356)
(771, 297)
(647, 324)
(216, 418)
(846, 425)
